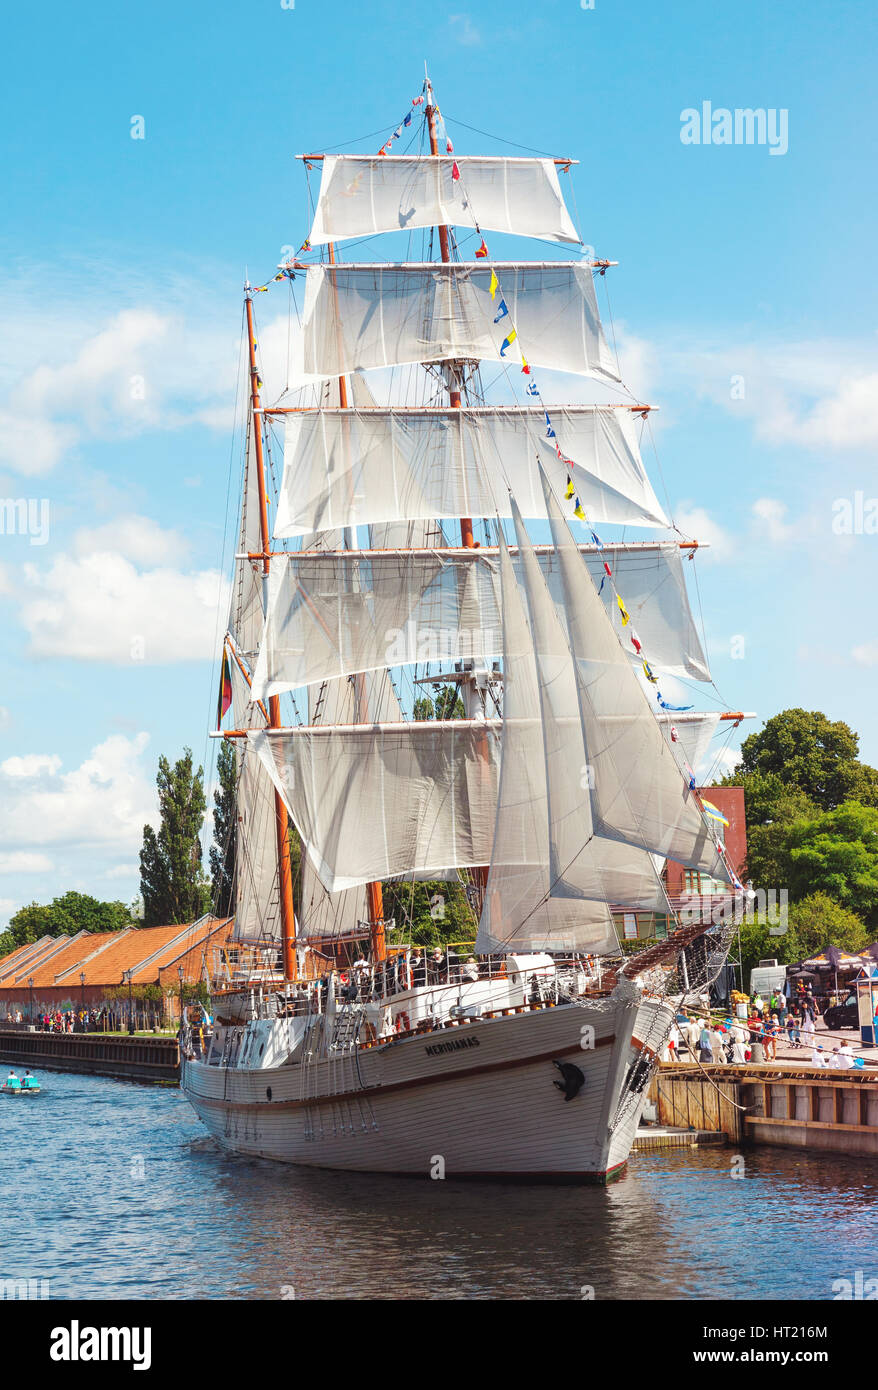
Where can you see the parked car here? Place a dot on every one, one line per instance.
(844, 1015)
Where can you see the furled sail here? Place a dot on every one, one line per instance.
(518, 912)
(338, 613)
(362, 316)
(638, 792)
(370, 801)
(350, 468)
(364, 194)
(257, 912)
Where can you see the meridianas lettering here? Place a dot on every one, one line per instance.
(454, 1045)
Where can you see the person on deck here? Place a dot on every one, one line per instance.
(845, 1056)
(818, 1056)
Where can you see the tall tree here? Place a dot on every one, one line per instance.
(815, 754)
(837, 853)
(446, 704)
(172, 879)
(65, 916)
(224, 847)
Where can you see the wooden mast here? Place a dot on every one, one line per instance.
(374, 891)
(467, 539)
(466, 523)
(281, 819)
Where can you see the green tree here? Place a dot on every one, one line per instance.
(445, 704)
(429, 914)
(813, 753)
(172, 879)
(758, 942)
(224, 847)
(64, 916)
(772, 806)
(819, 921)
(836, 852)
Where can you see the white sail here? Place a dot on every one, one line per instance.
(582, 864)
(246, 616)
(257, 911)
(370, 801)
(358, 317)
(654, 587)
(518, 912)
(351, 468)
(638, 792)
(348, 611)
(326, 916)
(690, 733)
(364, 194)
(336, 614)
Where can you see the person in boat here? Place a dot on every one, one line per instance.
(12, 1082)
(436, 967)
(29, 1081)
(471, 969)
(419, 969)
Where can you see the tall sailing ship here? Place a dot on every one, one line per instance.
(436, 527)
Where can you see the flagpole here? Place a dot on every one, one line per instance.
(281, 819)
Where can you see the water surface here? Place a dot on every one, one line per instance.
(113, 1190)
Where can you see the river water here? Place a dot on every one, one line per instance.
(113, 1190)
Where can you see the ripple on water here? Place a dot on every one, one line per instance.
(115, 1191)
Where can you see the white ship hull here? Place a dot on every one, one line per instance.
(476, 1100)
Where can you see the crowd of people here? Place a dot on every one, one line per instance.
(755, 1039)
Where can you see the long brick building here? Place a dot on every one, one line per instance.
(72, 972)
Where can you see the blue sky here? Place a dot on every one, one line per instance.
(124, 260)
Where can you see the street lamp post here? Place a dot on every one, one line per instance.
(30, 982)
(82, 986)
(127, 974)
(180, 977)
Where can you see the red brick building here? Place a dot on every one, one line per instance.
(72, 972)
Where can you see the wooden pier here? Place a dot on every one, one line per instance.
(801, 1107)
(98, 1054)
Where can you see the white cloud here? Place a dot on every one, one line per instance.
(816, 393)
(101, 607)
(5, 717)
(866, 655)
(138, 538)
(463, 30)
(24, 862)
(31, 765)
(769, 513)
(141, 370)
(103, 804)
(697, 523)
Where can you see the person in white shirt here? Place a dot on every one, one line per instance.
(808, 1031)
(818, 1056)
(693, 1034)
(739, 1052)
(717, 1045)
(845, 1056)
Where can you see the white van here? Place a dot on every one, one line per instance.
(765, 979)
